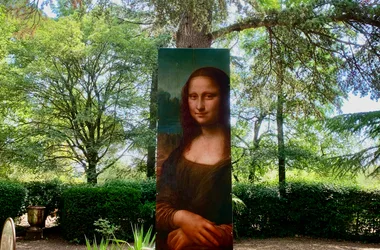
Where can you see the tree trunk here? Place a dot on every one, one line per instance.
(281, 143)
(187, 36)
(256, 144)
(151, 159)
(91, 173)
(190, 36)
(252, 172)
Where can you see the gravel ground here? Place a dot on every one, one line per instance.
(53, 241)
(298, 243)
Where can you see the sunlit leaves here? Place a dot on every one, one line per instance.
(367, 154)
(85, 78)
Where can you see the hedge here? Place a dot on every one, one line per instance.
(44, 193)
(316, 210)
(122, 203)
(264, 212)
(11, 200)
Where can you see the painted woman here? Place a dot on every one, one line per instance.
(194, 205)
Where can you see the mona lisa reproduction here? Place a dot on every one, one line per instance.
(194, 205)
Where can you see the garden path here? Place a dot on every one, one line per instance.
(53, 241)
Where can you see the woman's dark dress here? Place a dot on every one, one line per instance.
(198, 188)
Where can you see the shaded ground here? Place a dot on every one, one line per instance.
(53, 241)
(298, 243)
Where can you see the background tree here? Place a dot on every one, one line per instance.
(85, 77)
(299, 39)
(303, 36)
(302, 77)
(363, 158)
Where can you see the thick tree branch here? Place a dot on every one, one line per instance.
(361, 14)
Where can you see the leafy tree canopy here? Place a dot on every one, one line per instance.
(85, 79)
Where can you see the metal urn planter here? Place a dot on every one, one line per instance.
(36, 221)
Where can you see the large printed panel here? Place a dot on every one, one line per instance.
(194, 204)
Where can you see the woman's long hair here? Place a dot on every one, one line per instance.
(190, 127)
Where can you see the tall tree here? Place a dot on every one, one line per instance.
(303, 77)
(348, 29)
(85, 76)
(326, 32)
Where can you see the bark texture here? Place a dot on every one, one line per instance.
(192, 36)
(151, 159)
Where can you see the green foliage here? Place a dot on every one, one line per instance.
(147, 210)
(171, 12)
(105, 228)
(122, 170)
(104, 244)
(264, 213)
(141, 240)
(309, 209)
(120, 204)
(45, 193)
(366, 122)
(319, 210)
(366, 125)
(86, 76)
(147, 187)
(286, 81)
(6, 29)
(11, 200)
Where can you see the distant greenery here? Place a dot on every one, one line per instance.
(361, 180)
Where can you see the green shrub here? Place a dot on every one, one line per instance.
(147, 210)
(319, 210)
(264, 213)
(366, 213)
(310, 209)
(84, 205)
(11, 200)
(141, 241)
(44, 193)
(147, 187)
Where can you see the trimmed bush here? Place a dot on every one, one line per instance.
(119, 202)
(44, 193)
(317, 210)
(147, 213)
(366, 214)
(11, 200)
(264, 214)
